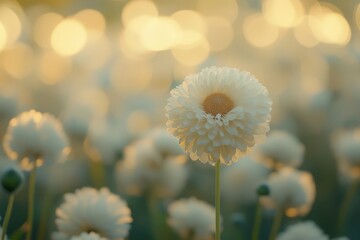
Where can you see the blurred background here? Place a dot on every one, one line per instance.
(105, 69)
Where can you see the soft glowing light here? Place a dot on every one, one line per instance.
(138, 122)
(93, 21)
(11, 25)
(68, 37)
(191, 55)
(219, 27)
(283, 13)
(131, 46)
(357, 15)
(3, 37)
(53, 67)
(329, 26)
(18, 60)
(258, 32)
(304, 35)
(138, 8)
(160, 33)
(213, 8)
(43, 28)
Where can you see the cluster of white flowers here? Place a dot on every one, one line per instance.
(192, 217)
(290, 190)
(34, 136)
(218, 114)
(88, 236)
(303, 230)
(281, 149)
(91, 210)
(154, 163)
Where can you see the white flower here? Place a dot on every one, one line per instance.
(347, 149)
(88, 236)
(292, 191)
(35, 136)
(145, 168)
(218, 114)
(165, 143)
(281, 149)
(192, 216)
(241, 180)
(303, 230)
(91, 210)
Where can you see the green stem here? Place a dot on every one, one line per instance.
(45, 215)
(97, 171)
(7, 215)
(257, 223)
(217, 200)
(350, 193)
(31, 202)
(276, 224)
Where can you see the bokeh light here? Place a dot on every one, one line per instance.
(134, 9)
(53, 67)
(18, 60)
(219, 27)
(93, 21)
(43, 28)
(10, 25)
(304, 35)
(68, 37)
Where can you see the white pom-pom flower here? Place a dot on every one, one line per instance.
(91, 210)
(35, 137)
(192, 217)
(241, 180)
(149, 166)
(304, 230)
(88, 236)
(347, 149)
(218, 114)
(292, 191)
(281, 149)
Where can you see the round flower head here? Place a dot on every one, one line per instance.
(347, 148)
(88, 236)
(91, 210)
(291, 190)
(281, 149)
(240, 182)
(165, 143)
(34, 136)
(218, 114)
(192, 217)
(303, 230)
(145, 168)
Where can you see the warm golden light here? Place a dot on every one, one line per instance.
(18, 60)
(11, 25)
(43, 28)
(53, 67)
(192, 54)
(68, 37)
(93, 21)
(3, 37)
(329, 26)
(134, 9)
(304, 35)
(219, 27)
(258, 32)
(160, 33)
(225, 9)
(357, 15)
(283, 13)
(130, 45)
(138, 122)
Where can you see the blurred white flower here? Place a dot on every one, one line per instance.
(88, 236)
(290, 190)
(34, 136)
(165, 143)
(192, 217)
(146, 168)
(241, 180)
(304, 230)
(346, 145)
(218, 114)
(281, 149)
(91, 210)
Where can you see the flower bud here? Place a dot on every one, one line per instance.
(11, 179)
(263, 190)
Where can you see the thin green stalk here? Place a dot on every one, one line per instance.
(257, 223)
(97, 171)
(276, 224)
(45, 215)
(7, 215)
(344, 209)
(217, 200)
(31, 202)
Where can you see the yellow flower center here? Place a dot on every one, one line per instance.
(218, 103)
